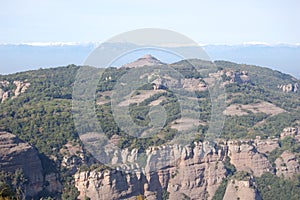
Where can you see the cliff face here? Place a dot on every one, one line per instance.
(289, 87)
(6, 92)
(16, 154)
(197, 173)
(245, 157)
(241, 189)
(287, 165)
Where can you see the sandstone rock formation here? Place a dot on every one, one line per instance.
(289, 131)
(289, 87)
(238, 76)
(266, 146)
(246, 158)
(16, 154)
(230, 76)
(21, 87)
(194, 84)
(5, 93)
(196, 174)
(242, 190)
(287, 165)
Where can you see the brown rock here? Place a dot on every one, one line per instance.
(287, 165)
(246, 158)
(197, 174)
(241, 189)
(16, 154)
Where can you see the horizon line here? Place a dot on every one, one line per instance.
(94, 43)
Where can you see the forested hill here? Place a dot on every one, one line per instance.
(36, 106)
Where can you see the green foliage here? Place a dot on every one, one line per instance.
(238, 126)
(70, 192)
(12, 184)
(230, 168)
(165, 195)
(272, 187)
(260, 76)
(286, 144)
(274, 125)
(241, 176)
(219, 194)
(42, 115)
(230, 172)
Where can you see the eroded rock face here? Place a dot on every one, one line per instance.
(5, 93)
(287, 165)
(16, 154)
(193, 84)
(266, 146)
(21, 87)
(241, 189)
(231, 76)
(197, 174)
(246, 158)
(289, 131)
(289, 87)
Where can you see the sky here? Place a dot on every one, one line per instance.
(206, 22)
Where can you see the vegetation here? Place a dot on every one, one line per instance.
(272, 187)
(12, 185)
(219, 194)
(43, 116)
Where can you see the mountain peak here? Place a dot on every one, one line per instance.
(148, 56)
(146, 60)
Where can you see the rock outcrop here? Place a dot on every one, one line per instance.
(21, 87)
(287, 165)
(266, 146)
(6, 93)
(289, 131)
(245, 157)
(196, 174)
(291, 87)
(146, 60)
(194, 84)
(238, 76)
(242, 190)
(16, 154)
(230, 76)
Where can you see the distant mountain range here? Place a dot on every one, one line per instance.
(22, 57)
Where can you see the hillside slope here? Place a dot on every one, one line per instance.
(261, 127)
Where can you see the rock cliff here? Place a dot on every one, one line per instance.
(289, 87)
(6, 90)
(16, 154)
(196, 174)
(241, 189)
(245, 157)
(287, 165)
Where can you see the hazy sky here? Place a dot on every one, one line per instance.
(211, 21)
